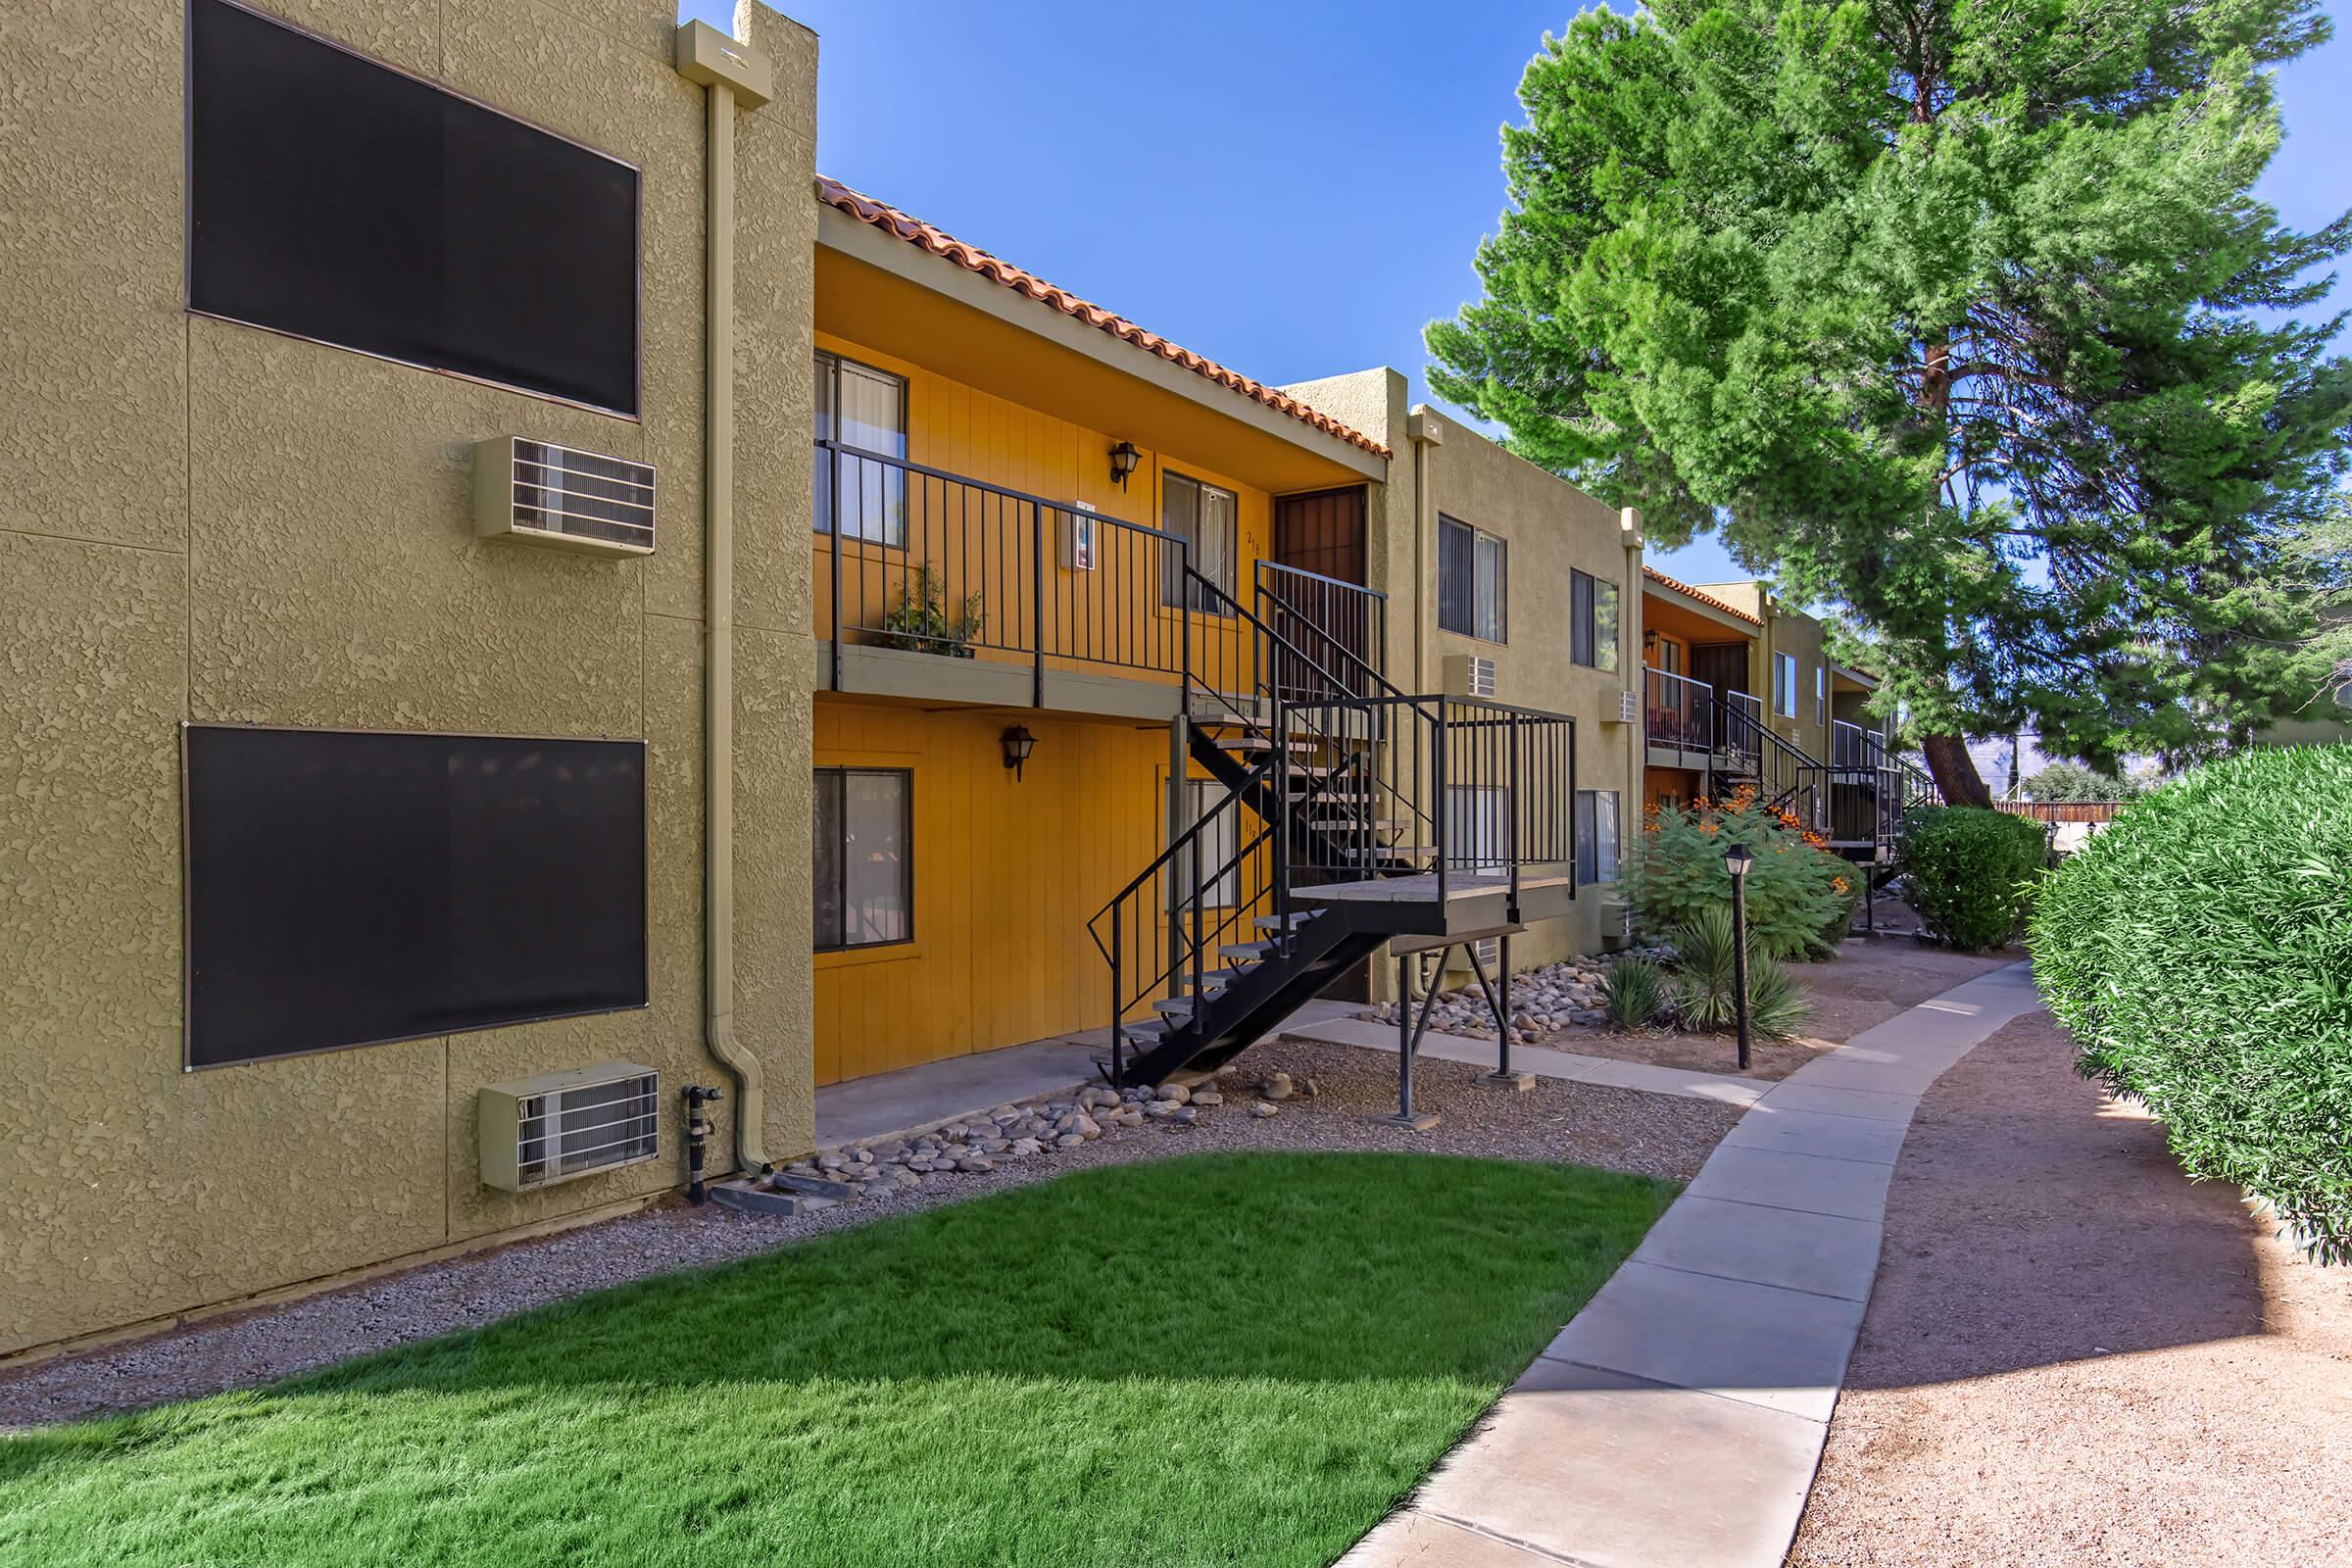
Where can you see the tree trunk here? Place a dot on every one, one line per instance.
(1955, 772)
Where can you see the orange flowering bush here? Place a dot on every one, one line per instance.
(1801, 897)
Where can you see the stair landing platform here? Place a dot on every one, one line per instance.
(1471, 902)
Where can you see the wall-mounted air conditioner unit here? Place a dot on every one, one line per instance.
(561, 1125)
(1469, 675)
(559, 496)
(1627, 710)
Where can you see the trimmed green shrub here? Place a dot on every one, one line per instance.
(1633, 994)
(1971, 873)
(2200, 952)
(1796, 895)
(1707, 992)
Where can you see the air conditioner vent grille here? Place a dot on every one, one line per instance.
(564, 497)
(567, 1124)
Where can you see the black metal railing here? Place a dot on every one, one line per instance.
(931, 562)
(1351, 779)
(1679, 714)
(1341, 626)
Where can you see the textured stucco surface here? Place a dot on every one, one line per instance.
(209, 522)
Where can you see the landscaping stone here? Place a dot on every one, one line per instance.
(1276, 1087)
(1261, 1111)
(1208, 1097)
(1542, 1002)
(1174, 1093)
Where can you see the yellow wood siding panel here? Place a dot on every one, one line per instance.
(1007, 875)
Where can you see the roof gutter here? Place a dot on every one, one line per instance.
(734, 75)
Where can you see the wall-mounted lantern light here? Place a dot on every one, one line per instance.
(1018, 744)
(1123, 459)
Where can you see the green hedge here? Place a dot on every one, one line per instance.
(1971, 873)
(2200, 951)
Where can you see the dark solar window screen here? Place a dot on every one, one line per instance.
(337, 199)
(345, 889)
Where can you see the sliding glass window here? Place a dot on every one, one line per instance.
(865, 862)
(861, 407)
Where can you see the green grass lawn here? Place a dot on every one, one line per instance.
(1235, 1358)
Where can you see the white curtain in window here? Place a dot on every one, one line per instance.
(1478, 828)
(874, 858)
(1488, 591)
(864, 407)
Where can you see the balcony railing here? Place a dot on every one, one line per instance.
(1851, 746)
(924, 561)
(1339, 629)
(1681, 713)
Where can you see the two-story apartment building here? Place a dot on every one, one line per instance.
(524, 600)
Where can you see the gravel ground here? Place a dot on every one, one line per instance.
(1618, 1129)
(1869, 982)
(2073, 1355)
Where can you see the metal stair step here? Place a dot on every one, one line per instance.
(1249, 950)
(1291, 921)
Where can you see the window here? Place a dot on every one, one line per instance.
(1591, 621)
(1208, 801)
(1595, 836)
(858, 405)
(1204, 517)
(1784, 685)
(865, 862)
(1478, 828)
(1473, 582)
(1821, 694)
(339, 200)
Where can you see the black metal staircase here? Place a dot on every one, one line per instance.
(1353, 813)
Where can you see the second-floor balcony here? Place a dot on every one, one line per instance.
(931, 583)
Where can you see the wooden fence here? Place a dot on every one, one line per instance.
(2063, 811)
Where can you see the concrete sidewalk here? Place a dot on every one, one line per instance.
(1677, 1421)
(1542, 1060)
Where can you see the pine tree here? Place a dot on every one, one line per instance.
(1940, 313)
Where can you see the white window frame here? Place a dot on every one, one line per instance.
(843, 477)
(1605, 839)
(1489, 613)
(1215, 556)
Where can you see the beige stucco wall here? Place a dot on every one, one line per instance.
(206, 521)
(1442, 466)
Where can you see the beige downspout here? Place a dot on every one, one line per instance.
(733, 73)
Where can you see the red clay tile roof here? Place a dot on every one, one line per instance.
(1709, 600)
(915, 231)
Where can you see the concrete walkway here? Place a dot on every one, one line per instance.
(1677, 1421)
(1542, 1060)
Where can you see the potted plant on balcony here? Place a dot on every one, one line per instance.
(919, 621)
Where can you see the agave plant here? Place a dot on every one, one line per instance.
(1633, 994)
(1708, 989)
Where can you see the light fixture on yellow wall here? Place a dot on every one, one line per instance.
(1018, 744)
(1123, 460)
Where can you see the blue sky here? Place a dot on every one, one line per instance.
(1294, 190)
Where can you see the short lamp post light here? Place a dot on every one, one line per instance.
(1738, 859)
(1123, 459)
(1018, 744)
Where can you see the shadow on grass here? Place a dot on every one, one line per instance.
(1226, 1358)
